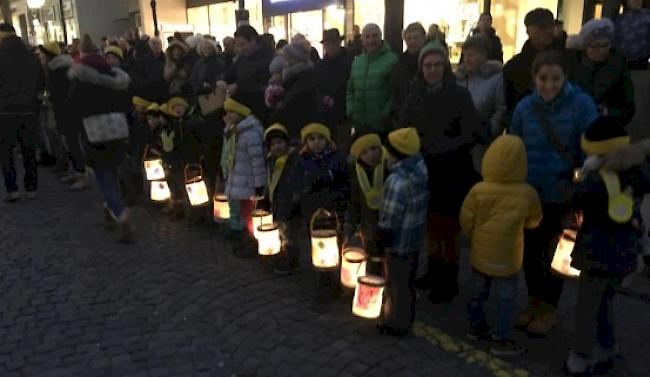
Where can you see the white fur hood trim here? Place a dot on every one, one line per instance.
(61, 61)
(118, 81)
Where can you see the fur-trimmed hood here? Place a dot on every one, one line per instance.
(117, 80)
(61, 61)
(175, 44)
(485, 71)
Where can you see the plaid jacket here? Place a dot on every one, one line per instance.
(404, 208)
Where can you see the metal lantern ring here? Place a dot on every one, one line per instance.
(353, 266)
(268, 241)
(259, 217)
(153, 167)
(369, 292)
(561, 263)
(160, 191)
(221, 210)
(197, 192)
(324, 242)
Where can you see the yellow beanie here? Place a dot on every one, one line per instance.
(115, 51)
(174, 101)
(405, 141)
(164, 109)
(363, 143)
(139, 101)
(277, 127)
(236, 107)
(52, 47)
(153, 108)
(315, 128)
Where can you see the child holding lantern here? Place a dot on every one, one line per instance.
(130, 171)
(243, 165)
(494, 216)
(401, 228)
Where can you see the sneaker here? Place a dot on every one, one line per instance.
(480, 333)
(31, 195)
(80, 183)
(12, 197)
(541, 325)
(506, 348)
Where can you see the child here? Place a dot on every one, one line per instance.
(494, 215)
(369, 170)
(171, 138)
(131, 178)
(605, 249)
(282, 180)
(243, 165)
(400, 232)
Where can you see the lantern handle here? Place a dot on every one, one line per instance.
(187, 167)
(319, 212)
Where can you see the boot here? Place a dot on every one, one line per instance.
(125, 233)
(441, 285)
(524, 318)
(543, 321)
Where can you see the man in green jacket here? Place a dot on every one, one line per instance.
(369, 96)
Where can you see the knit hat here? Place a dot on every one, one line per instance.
(154, 108)
(295, 52)
(276, 131)
(277, 65)
(315, 128)
(539, 17)
(6, 30)
(139, 101)
(174, 101)
(596, 29)
(51, 48)
(433, 47)
(403, 143)
(164, 110)
(115, 51)
(236, 107)
(87, 46)
(364, 142)
(604, 135)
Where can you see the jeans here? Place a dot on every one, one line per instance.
(18, 130)
(107, 179)
(74, 150)
(240, 215)
(398, 310)
(506, 291)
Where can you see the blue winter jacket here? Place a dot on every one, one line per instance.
(569, 114)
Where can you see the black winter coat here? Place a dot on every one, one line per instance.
(148, 78)
(59, 87)
(207, 71)
(332, 75)
(285, 205)
(251, 74)
(299, 104)
(608, 83)
(21, 77)
(404, 72)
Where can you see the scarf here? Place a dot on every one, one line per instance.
(228, 151)
(274, 177)
(621, 204)
(373, 194)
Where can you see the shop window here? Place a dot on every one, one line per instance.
(369, 11)
(222, 20)
(278, 27)
(256, 19)
(334, 18)
(309, 24)
(199, 18)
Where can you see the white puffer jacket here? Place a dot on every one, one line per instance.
(249, 169)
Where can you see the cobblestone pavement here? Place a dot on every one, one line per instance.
(178, 303)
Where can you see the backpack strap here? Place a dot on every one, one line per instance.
(552, 137)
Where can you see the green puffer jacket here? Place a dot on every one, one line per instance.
(369, 96)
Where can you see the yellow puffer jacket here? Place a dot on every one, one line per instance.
(497, 210)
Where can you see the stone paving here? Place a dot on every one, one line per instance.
(179, 303)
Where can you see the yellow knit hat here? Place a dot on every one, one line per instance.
(405, 141)
(52, 47)
(164, 109)
(364, 142)
(139, 101)
(276, 128)
(236, 107)
(153, 108)
(115, 51)
(174, 101)
(315, 128)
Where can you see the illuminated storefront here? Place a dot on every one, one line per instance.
(218, 17)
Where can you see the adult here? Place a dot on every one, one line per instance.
(208, 69)
(445, 117)
(313, 53)
(560, 35)
(602, 73)
(97, 91)
(495, 51)
(333, 73)
(229, 51)
(633, 34)
(369, 92)
(153, 85)
(21, 78)
(299, 103)
(176, 70)
(249, 75)
(516, 73)
(407, 66)
(355, 45)
(551, 122)
(434, 34)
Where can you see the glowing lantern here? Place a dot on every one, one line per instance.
(160, 191)
(154, 169)
(353, 266)
(268, 241)
(197, 192)
(324, 243)
(368, 296)
(561, 262)
(221, 208)
(260, 217)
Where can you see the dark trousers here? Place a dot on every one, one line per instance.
(73, 149)
(398, 310)
(18, 131)
(539, 247)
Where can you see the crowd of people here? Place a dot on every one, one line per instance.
(405, 151)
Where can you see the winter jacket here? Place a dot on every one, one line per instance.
(369, 95)
(497, 210)
(59, 87)
(448, 125)
(517, 76)
(207, 71)
(485, 85)
(324, 183)
(21, 77)
(249, 168)
(285, 203)
(603, 247)
(569, 115)
(299, 103)
(251, 74)
(633, 36)
(608, 83)
(403, 74)
(332, 75)
(148, 74)
(403, 214)
(176, 71)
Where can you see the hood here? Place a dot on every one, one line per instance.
(61, 61)
(485, 71)
(505, 161)
(117, 79)
(412, 167)
(173, 45)
(250, 123)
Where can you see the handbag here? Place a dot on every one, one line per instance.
(106, 127)
(212, 101)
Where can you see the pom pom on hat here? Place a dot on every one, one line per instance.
(364, 142)
(315, 128)
(404, 141)
(51, 47)
(236, 107)
(604, 135)
(154, 108)
(276, 131)
(115, 51)
(139, 101)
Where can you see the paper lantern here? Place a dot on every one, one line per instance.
(221, 210)
(353, 266)
(197, 192)
(160, 191)
(368, 296)
(260, 217)
(561, 262)
(324, 242)
(154, 169)
(268, 241)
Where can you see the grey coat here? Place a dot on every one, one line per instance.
(249, 169)
(485, 85)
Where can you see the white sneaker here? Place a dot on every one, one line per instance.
(12, 197)
(81, 183)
